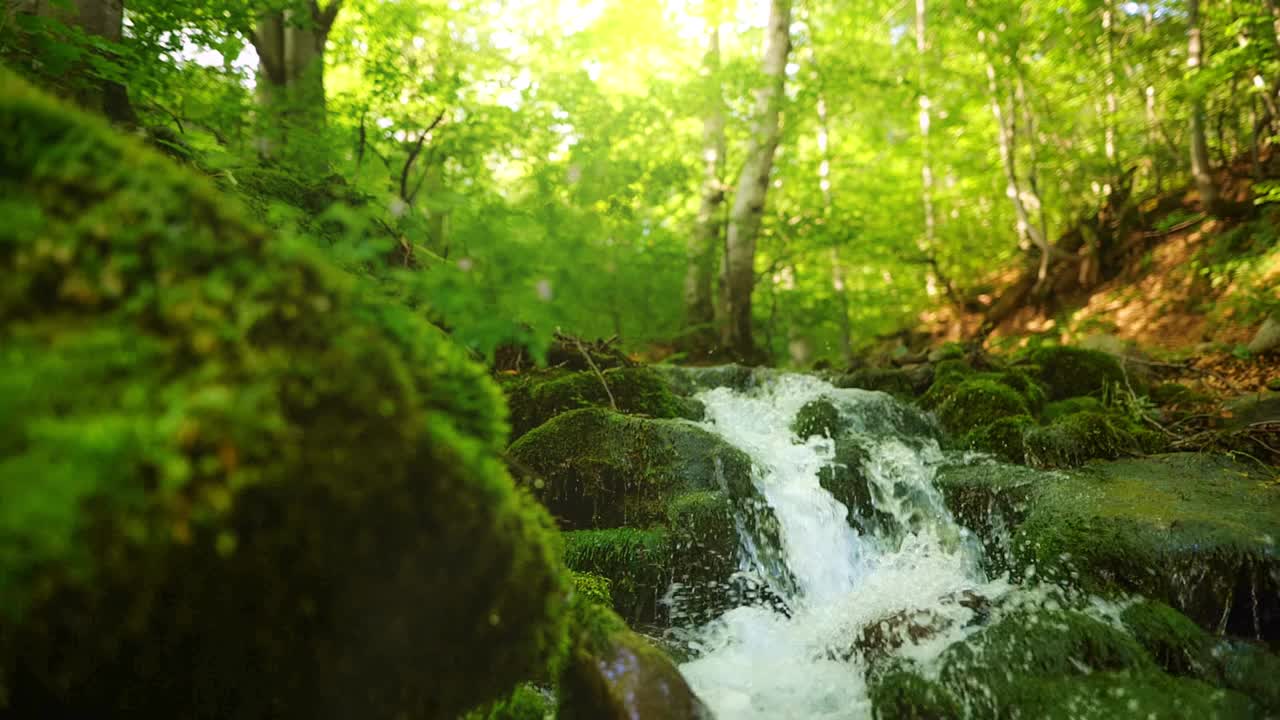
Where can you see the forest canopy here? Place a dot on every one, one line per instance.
(521, 167)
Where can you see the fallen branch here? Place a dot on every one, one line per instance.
(592, 363)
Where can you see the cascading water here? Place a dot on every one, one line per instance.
(756, 662)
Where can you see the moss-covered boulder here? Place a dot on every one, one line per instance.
(233, 483)
(527, 702)
(705, 553)
(538, 396)
(990, 499)
(1073, 372)
(598, 469)
(636, 563)
(975, 403)
(1074, 439)
(1004, 438)
(1071, 406)
(1198, 532)
(1068, 664)
(817, 417)
(615, 674)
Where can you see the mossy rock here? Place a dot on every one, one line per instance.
(598, 469)
(223, 462)
(901, 693)
(1074, 439)
(615, 674)
(540, 396)
(976, 403)
(1004, 438)
(991, 500)
(899, 382)
(705, 554)
(817, 417)
(1067, 664)
(1197, 532)
(636, 563)
(1073, 372)
(1071, 406)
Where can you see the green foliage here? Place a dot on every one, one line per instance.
(199, 413)
(525, 703)
(593, 588)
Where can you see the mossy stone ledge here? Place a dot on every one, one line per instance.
(232, 483)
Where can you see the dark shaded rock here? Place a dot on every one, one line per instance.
(686, 380)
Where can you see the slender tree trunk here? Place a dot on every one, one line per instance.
(1113, 105)
(747, 214)
(706, 242)
(1033, 153)
(1006, 139)
(290, 45)
(1200, 170)
(926, 150)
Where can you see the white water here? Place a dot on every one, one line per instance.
(755, 663)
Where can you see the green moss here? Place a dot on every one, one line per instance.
(538, 397)
(1002, 438)
(1073, 372)
(213, 444)
(817, 417)
(637, 564)
(527, 702)
(975, 403)
(1184, 529)
(1073, 439)
(1175, 642)
(596, 468)
(593, 588)
(1071, 406)
(901, 694)
(704, 553)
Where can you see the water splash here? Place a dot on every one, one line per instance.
(754, 662)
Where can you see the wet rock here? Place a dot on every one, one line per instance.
(818, 417)
(879, 639)
(598, 469)
(1197, 532)
(615, 674)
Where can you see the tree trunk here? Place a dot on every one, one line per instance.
(290, 45)
(1113, 105)
(747, 214)
(707, 241)
(1006, 139)
(1199, 146)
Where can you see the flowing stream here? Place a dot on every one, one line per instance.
(756, 661)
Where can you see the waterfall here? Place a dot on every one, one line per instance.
(756, 662)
